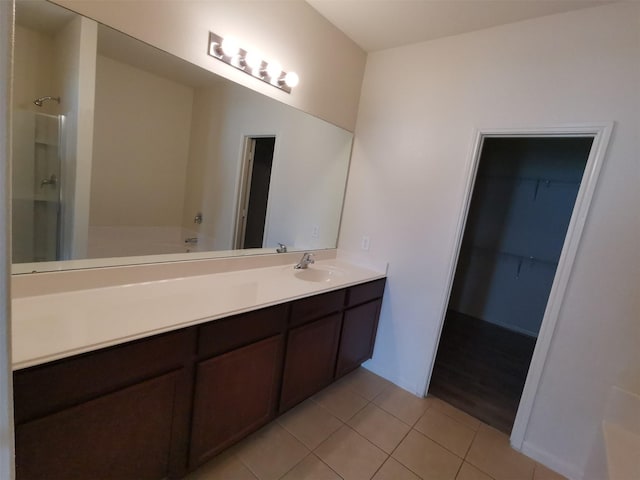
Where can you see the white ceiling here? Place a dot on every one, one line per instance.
(379, 24)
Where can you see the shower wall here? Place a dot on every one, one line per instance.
(35, 189)
(35, 208)
(33, 77)
(22, 186)
(58, 64)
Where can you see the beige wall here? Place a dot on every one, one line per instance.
(329, 64)
(419, 110)
(310, 163)
(33, 70)
(75, 78)
(141, 147)
(203, 158)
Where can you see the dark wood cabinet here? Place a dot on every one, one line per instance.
(365, 292)
(310, 359)
(311, 308)
(359, 328)
(237, 379)
(359, 325)
(161, 406)
(122, 435)
(52, 387)
(227, 334)
(120, 412)
(235, 394)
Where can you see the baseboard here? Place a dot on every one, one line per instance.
(403, 383)
(572, 472)
(623, 408)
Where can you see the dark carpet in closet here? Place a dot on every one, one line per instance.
(481, 369)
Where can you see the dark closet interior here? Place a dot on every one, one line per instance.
(259, 191)
(524, 193)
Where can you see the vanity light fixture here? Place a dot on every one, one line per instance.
(273, 70)
(230, 47)
(253, 61)
(291, 79)
(229, 51)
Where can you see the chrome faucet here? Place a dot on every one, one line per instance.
(307, 258)
(282, 248)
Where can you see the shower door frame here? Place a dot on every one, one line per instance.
(601, 133)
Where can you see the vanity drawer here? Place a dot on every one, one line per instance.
(366, 292)
(307, 309)
(54, 386)
(221, 336)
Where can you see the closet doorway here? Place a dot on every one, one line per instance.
(520, 210)
(255, 180)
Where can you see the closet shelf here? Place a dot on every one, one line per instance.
(541, 180)
(520, 257)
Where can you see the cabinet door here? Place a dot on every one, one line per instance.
(123, 435)
(310, 359)
(52, 387)
(358, 336)
(235, 394)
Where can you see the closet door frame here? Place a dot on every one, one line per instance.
(601, 133)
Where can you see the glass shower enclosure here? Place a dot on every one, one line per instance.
(36, 186)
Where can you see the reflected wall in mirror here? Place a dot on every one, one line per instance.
(123, 150)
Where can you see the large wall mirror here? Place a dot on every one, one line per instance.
(126, 154)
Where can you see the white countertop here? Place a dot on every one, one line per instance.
(54, 326)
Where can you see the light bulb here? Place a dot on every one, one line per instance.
(291, 79)
(253, 61)
(213, 49)
(230, 47)
(274, 69)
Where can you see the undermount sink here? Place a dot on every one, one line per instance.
(318, 273)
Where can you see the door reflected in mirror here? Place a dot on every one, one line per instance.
(254, 191)
(125, 152)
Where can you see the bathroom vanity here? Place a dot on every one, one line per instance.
(162, 405)
(129, 370)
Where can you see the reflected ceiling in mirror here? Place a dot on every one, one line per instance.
(126, 154)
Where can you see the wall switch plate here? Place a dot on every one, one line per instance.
(315, 231)
(364, 245)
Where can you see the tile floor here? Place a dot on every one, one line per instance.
(363, 427)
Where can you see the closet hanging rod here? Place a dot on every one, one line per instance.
(514, 255)
(529, 179)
